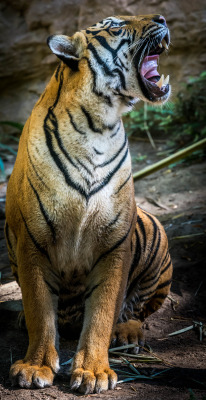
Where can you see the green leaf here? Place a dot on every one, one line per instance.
(13, 124)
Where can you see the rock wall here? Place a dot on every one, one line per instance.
(27, 63)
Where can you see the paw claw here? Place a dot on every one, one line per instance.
(130, 332)
(85, 381)
(27, 376)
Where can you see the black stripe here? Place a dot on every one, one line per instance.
(159, 296)
(105, 44)
(145, 296)
(52, 118)
(157, 271)
(164, 284)
(88, 294)
(73, 123)
(7, 236)
(11, 259)
(34, 168)
(124, 183)
(111, 127)
(97, 151)
(137, 255)
(115, 219)
(44, 211)
(115, 155)
(142, 229)
(16, 276)
(121, 77)
(35, 242)
(153, 280)
(150, 308)
(145, 270)
(105, 67)
(51, 288)
(155, 253)
(116, 245)
(53, 153)
(93, 32)
(57, 71)
(59, 163)
(116, 131)
(90, 120)
(167, 266)
(11, 252)
(85, 167)
(65, 302)
(89, 160)
(123, 66)
(154, 237)
(99, 60)
(110, 175)
(118, 93)
(164, 259)
(106, 98)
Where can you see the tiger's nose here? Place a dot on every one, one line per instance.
(159, 19)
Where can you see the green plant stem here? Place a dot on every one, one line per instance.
(168, 160)
(147, 129)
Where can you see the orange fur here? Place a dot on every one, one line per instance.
(72, 227)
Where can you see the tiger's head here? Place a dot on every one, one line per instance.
(122, 54)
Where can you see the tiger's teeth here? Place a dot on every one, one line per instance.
(160, 82)
(166, 81)
(160, 45)
(164, 44)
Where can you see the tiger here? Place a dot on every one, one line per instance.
(81, 250)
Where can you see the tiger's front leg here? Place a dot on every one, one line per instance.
(41, 362)
(90, 370)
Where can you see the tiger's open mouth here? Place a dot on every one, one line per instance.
(154, 87)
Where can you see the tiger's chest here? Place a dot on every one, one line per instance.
(84, 231)
(87, 202)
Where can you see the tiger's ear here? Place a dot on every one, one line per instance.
(68, 49)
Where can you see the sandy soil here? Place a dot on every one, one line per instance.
(177, 197)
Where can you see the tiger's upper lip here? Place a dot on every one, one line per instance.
(161, 45)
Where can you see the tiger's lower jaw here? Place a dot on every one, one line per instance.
(152, 92)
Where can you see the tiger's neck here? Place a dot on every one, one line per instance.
(81, 132)
(98, 109)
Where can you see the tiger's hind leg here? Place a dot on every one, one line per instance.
(131, 332)
(149, 280)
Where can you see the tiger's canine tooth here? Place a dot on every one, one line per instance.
(164, 44)
(160, 44)
(160, 82)
(166, 81)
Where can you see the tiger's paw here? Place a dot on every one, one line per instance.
(86, 381)
(129, 332)
(26, 375)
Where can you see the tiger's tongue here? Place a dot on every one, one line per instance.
(149, 68)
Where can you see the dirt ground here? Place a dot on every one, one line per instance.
(177, 196)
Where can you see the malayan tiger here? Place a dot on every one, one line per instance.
(74, 234)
